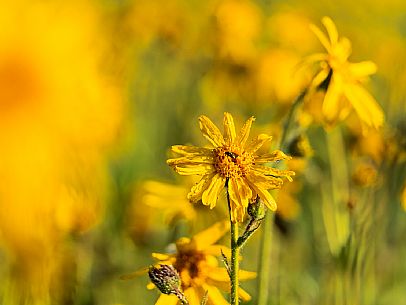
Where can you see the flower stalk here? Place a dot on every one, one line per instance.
(235, 250)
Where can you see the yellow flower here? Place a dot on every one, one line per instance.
(196, 262)
(230, 163)
(343, 79)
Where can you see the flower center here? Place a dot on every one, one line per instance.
(190, 264)
(232, 161)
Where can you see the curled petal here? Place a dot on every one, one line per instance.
(191, 160)
(197, 190)
(244, 132)
(265, 182)
(210, 131)
(258, 142)
(196, 169)
(209, 196)
(276, 155)
(186, 150)
(229, 128)
(264, 195)
(265, 170)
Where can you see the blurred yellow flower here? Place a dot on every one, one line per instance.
(232, 164)
(239, 24)
(57, 114)
(341, 79)
(196, 262)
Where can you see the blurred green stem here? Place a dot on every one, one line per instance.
(265, 252)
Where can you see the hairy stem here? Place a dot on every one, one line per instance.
(234, 266)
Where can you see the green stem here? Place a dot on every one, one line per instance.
(265, 260)
(234, 266)
(265, 252)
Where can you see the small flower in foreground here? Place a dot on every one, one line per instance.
(340, 78)
(233, 164)
(196, 263)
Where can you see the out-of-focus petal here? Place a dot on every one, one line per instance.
(331, 109)
(320, 35)
(365, 105)
(209, 236)
(165, 299)
(362, 69)
(331, 29)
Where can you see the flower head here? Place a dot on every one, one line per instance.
(231, 163)
(196, 263)
(340, 78)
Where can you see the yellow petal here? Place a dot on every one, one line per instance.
(331, 29)
(191, 160)
(320, 77)
(215, 296)
(192, 296)
(258, 142)
(161, 256)
(362, 69)
(270, 171)
(343, 49)
(274, 156)
(243, 295)
(217, 249)
(244, 132)
(187, 150)
(264, 195)
(365, 105)
(244, 189)
(229, 128)
(320, 35)
(330, 108)
(165, 299)
(210, 131)
(221, 275)
(209, 196)
(211, 235)
(197, 169)
(265, 182)
(150, 286)
(197, 190)
(235, 193)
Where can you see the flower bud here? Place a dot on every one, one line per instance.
(165, 278)
(257, 210)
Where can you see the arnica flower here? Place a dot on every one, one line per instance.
(196, 263)
(343, 80)
(231, 163)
